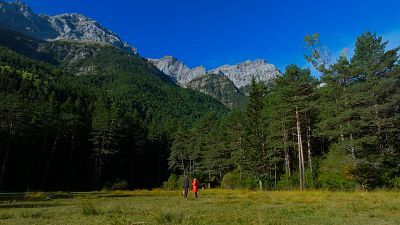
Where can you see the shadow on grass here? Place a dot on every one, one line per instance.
(35, 196)
(30, 205)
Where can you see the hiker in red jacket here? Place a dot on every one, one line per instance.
(195, 186)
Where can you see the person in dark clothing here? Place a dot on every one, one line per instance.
(185, 186)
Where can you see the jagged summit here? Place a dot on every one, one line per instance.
(240, 74)
(180, 72)
(19, 17)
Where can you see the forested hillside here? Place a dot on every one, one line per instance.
(84, 116)
(90, 116)
(339, 132)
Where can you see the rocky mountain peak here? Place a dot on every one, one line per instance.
(241, 74)
(24, 8)
(169, 57)
(177, 70)
(19, 17)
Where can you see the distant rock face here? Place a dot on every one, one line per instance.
(242, 74)
(19, 17)
(177, 70)
(221, 88)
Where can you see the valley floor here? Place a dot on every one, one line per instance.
(213, 207)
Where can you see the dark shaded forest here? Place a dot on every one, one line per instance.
(112, 127)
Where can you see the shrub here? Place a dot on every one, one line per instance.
(117, 185)
(288, 183)
(232, 180)
(366, 174)
(336, 170)
(396, 182)
(174, 182)
(120, 185)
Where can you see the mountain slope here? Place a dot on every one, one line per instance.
(219, 87)
(19, 17)
(127, 78)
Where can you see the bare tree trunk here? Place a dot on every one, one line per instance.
(309, 146)
(379, 126)
(112, 126)
(5, 160)
(220, 173)
(71, 150)
(96, 171)
(275, 176)
(286, 150)
(240, 146)
(352, 149)
(98, 161)
(269, 170)
(183, 164)
(133, 165)
(209, 180)
(46, 170)
(341, 133)
(300, 148)
(300, 171)
(190, 169)
(7, 153)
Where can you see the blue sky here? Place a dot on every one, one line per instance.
(217, 32)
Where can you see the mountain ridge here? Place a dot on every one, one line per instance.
(240, 74)
(18, 16)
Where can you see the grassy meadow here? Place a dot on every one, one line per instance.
(213, 207)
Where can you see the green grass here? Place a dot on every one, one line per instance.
(213, 207)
